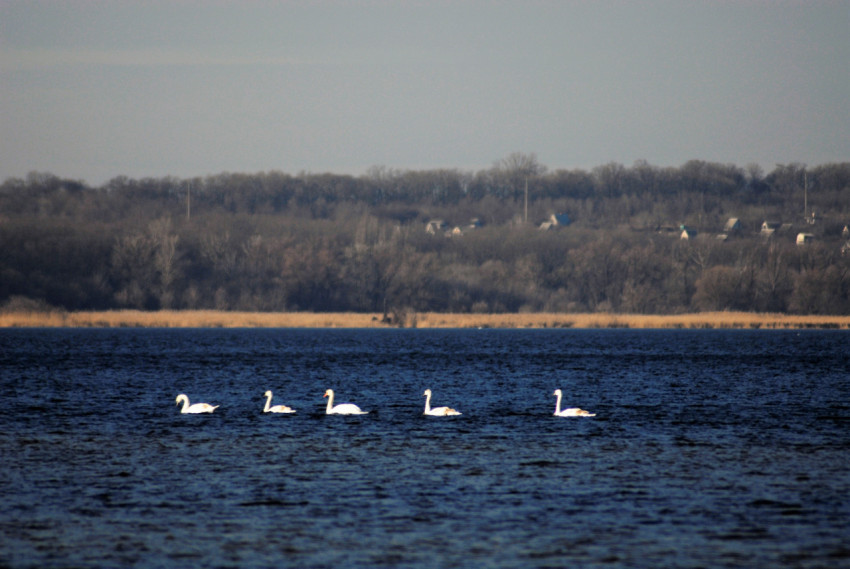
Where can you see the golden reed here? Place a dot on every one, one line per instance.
(220, 319)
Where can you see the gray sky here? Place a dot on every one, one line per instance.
(95, 89)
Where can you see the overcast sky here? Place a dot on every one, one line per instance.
(96, 89)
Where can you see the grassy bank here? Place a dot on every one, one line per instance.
(216, 319)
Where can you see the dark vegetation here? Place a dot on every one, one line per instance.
(324, 242)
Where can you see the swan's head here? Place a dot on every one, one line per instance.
(427, 392)
(180, 398)
(329, 393)
(267, 394)
(557, 392)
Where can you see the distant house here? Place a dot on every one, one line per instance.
(560, 219)
(845, 233)
(555, 220)
(434, 226)
(454, 232)
(768, 228)
(803, 238)
(732, 226)
(687, 233)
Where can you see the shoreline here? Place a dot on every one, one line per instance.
(221, 319)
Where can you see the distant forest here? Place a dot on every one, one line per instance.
(639, 239)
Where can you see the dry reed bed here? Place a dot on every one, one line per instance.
(187, 319)
(218, 319)
(706, 320)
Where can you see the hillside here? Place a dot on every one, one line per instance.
(640, 239)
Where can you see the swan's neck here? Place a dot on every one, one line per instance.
(185, 401)
(330, 403)
(427, 403)
(558, 404)
(268, 403)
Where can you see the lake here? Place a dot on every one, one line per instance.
(710, 448)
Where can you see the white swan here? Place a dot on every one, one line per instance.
(437, 411)
(572, 411)
(342, 408)
(276, 408)
(196, 408)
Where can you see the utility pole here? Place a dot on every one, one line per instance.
(188, 201)
(526, 201)
(806, 196)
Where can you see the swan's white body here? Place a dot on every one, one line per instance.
(437, 411)
(196, 408)
(276, 408)
(342, 408)
(570, 412)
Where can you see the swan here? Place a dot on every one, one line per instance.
(571, 412)
(437, 411)
(196, 408)
(276, 408)
(342, 408)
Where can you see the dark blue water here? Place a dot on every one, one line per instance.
(709, 449)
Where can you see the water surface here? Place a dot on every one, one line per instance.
(709, 449)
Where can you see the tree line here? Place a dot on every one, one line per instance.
(273, 241)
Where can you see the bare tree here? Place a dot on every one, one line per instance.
(512, 173)
(164, 245)
(132, 270)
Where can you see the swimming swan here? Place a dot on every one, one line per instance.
(276, 408)
(196, 408)
(571, 412)
(342, 408)
(437, 411)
